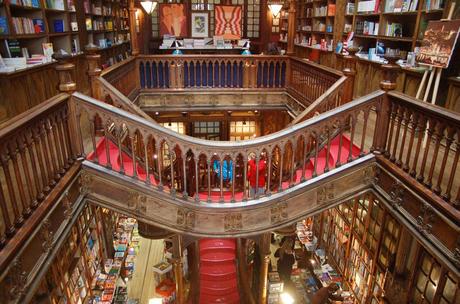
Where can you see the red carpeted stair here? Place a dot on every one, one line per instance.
(335, 147)
(218, 277)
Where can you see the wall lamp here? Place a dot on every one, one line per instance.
(275, 8)
(149, 6)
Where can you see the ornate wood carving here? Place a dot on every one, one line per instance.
(185, 218)
(397, 194)
(233, 221)
(46, 236)
(17, 277)
(425, 219)
(278, 213)
(326, 193)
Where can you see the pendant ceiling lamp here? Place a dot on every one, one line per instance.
(149, 6)
(275, 8)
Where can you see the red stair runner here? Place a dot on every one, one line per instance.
(218, 278)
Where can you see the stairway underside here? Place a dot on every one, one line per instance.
(132, 197)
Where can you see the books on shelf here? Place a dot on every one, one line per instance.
(32, 3)
(74, 26)
(320, 11)
(434, 4)
(3, 26)
(58, 25)
(393, 30)
(24, 25)
(48, 51)
(331, 9)
(55, 4)
(366, 6)
(399, 6)
(350, 8)
(367, 28)
(89, 24)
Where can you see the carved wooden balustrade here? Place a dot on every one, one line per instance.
(36, 150)
(424, 141)
(308, 81)
(216, 72)
(294, 149)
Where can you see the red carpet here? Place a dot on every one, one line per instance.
(128, 167)
(218, 277)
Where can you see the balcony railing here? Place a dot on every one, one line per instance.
(191, 168)
(36, 150)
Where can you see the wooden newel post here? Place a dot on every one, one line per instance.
(178, 269)
(291, 28)
(132, 28)
(390, 73)
(94, 70)
(246, 74)
(349, 70)
(264, 248)
(66, 72)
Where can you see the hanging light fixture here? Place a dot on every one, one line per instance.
(149, 6)
(275, 8)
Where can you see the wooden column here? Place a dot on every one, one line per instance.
(94, 71)
(264, 250)
(349, 70)
(178, 268)
(66, 72)
(388, 83)
(291, 28)
(403, 251)
(132, 28)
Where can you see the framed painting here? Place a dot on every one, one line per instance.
(173, 20)
(228, 21)
(200, 25)
(438, 43)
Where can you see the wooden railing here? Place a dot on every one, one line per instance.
(291, 149)
(216, 72)
(122, 76)
(308, 81)
(424, 140)
(36, 150)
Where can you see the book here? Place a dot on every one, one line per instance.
(14, 48)
(331, 9)
(89, 24)
(58, 26)
(48, 51)
(74, 26)
(39, 25)
(3, 26)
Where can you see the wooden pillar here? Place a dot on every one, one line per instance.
(291, 27)
(243, 273)
(178, 268)
(132, 28)
(403, 251)
(349, 70)
(264, 250)
(388, 83)
(94, 71)
(66, 72)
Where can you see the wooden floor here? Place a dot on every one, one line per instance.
(142, 284)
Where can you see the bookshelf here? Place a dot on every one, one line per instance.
(35, 29)
(283, 24)
(395, 24)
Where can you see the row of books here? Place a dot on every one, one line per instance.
(320, 11)
(367, 28)
(434, 4)
(55, 4)
(393, 30)
(400, 5)
(33, 3)
(3, 26)
(319, 26)
(24, 25)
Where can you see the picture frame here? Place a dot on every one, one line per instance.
(200, 25)
(173, 20)
(228, 21)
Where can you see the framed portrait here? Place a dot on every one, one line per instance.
(173, 20)
(228, 21)
(200, 25)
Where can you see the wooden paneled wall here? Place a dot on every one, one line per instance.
(23, 90)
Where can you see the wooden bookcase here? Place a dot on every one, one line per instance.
(31, 23)
(313, 24)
